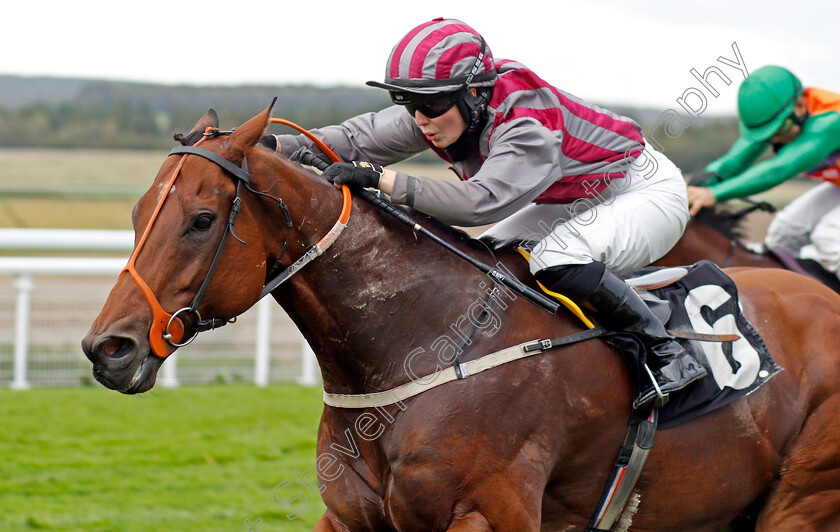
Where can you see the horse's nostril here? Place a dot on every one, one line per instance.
(112, 346)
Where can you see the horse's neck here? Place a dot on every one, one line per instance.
(360, 304)
(742, 256)
(727, 250)
(381, 292)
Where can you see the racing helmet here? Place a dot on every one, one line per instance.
(442, 57)
(765, 100)
(438, 56)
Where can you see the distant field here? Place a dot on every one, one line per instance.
(66, 213)
(78, 173)
(85, 189)
(79, 189)
(96, 189)
(183, 460)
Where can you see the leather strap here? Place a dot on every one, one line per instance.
(627, 469)
(228, 166)
(420, 385)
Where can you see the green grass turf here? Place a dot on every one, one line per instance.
(186, 459)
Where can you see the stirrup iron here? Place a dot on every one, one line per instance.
(661, 397)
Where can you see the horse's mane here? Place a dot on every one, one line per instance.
(725, 221)
(448, 232)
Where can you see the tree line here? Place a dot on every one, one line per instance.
(67, 113)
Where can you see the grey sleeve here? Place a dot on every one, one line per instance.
(385, 137)
(523, 161)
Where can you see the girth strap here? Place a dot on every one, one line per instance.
(626, 471)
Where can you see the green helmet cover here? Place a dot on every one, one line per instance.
(765, 100)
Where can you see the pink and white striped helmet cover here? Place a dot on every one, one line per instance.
(437, 56)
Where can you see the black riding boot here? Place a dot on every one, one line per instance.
(621, 309)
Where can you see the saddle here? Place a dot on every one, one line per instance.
(699, 305)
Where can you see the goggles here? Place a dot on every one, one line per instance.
(790, 121)
(787, 125)
(432, 106)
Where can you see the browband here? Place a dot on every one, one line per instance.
(229, 167)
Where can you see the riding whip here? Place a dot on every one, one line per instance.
(305, 156)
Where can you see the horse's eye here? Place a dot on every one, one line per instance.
(203, 222)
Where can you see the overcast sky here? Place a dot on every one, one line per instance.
(608, 51)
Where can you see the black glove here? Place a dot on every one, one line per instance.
(356, 173)
(269, 141)
(697, 179)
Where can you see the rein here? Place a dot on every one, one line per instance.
(318, 249)
(162, 329)
(170, 331)
(305, 156)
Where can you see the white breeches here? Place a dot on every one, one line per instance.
(634, 222)
(810, 227)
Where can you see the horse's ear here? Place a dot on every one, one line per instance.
(210, 119)
(249, 133)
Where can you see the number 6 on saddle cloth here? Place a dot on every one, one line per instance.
(701, 309)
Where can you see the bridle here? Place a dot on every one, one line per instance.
(170, 331)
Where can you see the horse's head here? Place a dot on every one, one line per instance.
(189, 254)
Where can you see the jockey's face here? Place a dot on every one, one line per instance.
(791, 128)
(443, 130)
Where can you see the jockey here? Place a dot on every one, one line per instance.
(550, 168)
(803, 128)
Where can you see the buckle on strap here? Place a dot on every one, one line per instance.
(461, 371)
(539, 345)
(546, 344)
(661, 397)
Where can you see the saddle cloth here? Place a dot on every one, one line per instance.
(705, 300)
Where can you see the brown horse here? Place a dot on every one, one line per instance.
(524, 446)
(713, 235)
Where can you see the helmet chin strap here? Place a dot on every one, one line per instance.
(468, 141)
(472, 108)
(799, 120)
